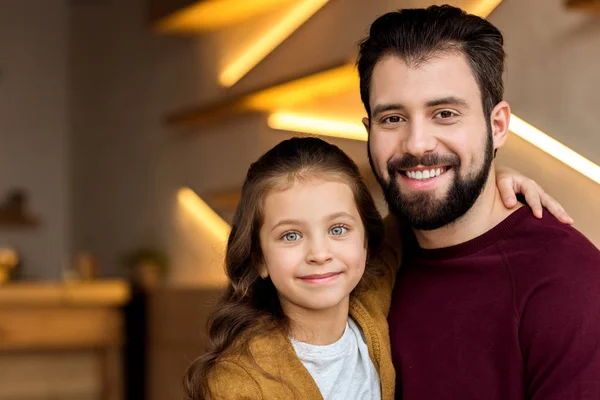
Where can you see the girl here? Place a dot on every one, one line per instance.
(304, 313)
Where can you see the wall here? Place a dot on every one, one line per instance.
(552, 69)
(128, 165)
(552, 82)
(34, 128)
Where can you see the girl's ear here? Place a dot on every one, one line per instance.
(262, 271)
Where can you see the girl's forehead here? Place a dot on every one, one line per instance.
(308, 199)
(310, 178)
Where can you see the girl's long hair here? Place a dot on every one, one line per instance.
(250, 305)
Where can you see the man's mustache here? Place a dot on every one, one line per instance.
(429, 160)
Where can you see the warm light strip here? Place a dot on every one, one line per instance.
(317, 126)
(269, 40)
(328, 82)
(305, 90)
(212, 14)
(355, 131)
(556, 149)
(484, 8)
(204, 214)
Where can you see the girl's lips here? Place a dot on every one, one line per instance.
(321, 278)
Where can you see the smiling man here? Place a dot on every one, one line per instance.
(493, 303)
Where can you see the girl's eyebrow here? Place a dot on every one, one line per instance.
(286, 222)
(341, 214)
(296, 222)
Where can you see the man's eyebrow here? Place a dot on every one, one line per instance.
(442, 101)
(448, 101)
(381, 108)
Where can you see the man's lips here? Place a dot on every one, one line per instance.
(320, 278)
(423, 178)
(421, 172)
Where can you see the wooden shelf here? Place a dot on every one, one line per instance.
(9, 222)
(584, 5)
(224, 202)
(297, 89)
(158, 9)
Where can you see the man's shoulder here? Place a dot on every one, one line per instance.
(549, 236)
(548, 246)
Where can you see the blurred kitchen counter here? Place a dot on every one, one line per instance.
(109, 293)
(72, 329)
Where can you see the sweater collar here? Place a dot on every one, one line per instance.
(477, 244)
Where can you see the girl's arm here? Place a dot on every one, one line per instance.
(230, 381)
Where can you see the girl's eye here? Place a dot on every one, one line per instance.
(338, 230)
(291, 236)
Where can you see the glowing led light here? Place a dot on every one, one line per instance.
(317, 126)
(268, 41)
(484, 8)
(204, 214)
(212, 14)
(553, 147)
(305, 90)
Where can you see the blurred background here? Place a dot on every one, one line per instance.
(127, 127)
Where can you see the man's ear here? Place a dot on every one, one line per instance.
(500, 122)
(367, 123)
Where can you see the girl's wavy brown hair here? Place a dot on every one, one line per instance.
(250, 305)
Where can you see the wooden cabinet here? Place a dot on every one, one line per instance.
(61, 341)
(176, 336)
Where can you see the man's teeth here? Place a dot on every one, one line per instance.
(420, 175)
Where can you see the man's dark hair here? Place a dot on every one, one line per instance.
(415, 35)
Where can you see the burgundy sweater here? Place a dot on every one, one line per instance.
(512, 314)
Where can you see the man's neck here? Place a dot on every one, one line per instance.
(488, 211)
(317, 327)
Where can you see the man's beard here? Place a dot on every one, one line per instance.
(423, 211)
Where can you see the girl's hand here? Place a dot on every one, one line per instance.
(511, 182)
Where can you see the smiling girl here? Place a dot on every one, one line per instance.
(310, 281)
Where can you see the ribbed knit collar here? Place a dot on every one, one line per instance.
(477, 244)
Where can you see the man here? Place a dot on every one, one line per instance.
(493, 303)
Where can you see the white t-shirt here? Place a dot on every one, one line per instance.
(342, 370)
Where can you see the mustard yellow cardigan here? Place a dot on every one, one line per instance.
(235, 377)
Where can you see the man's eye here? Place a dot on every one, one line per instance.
(445, 114)
(393, 119)
(291, 236)
(338, 230)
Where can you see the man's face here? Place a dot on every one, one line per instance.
(430, 145)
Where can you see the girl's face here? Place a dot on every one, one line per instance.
(313, 243)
